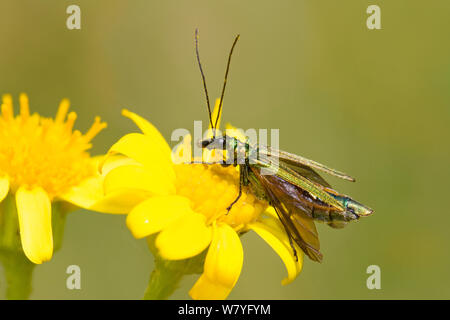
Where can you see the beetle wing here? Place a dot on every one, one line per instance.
(293, 213)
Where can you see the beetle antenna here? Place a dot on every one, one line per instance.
(204, 82)
(225, 81)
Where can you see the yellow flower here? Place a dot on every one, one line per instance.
(186, 204)
(43, 160)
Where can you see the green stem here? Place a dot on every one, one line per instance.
(9, 224)
(164, 280)
(18, 269)
(167, 274)
(59, 214)
(18, 272)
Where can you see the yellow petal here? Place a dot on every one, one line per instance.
(214, 115)
(223, 265)
(183, 151)
(271, 213)
(206, 289)
(213, 155)
(154, 214)
(133, 177)
(89, 195)
(232, 131)
(184, 238)
(148, 129)
(85, 194)
(142, 149)
(35, 223)
(119, 202)
(272, 231)
(4, 187)
(105, 163)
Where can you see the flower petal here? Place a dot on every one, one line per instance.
(184, 238)
(223, 265)
(119, 202)
(206, 289)
(214, 115)
(182, 153)
(272, 231)
(142, 149)
(213, 155)
(148, 129)
(136, 177)
(105, 163)
(154, 214)
(232, 131)
(35, 223)
(4, 187)
(89, 195)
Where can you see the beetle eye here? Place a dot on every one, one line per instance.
(205, 143)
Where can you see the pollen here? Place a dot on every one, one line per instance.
(44, 152)
(212, 188)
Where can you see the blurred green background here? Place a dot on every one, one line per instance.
(373, 103)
